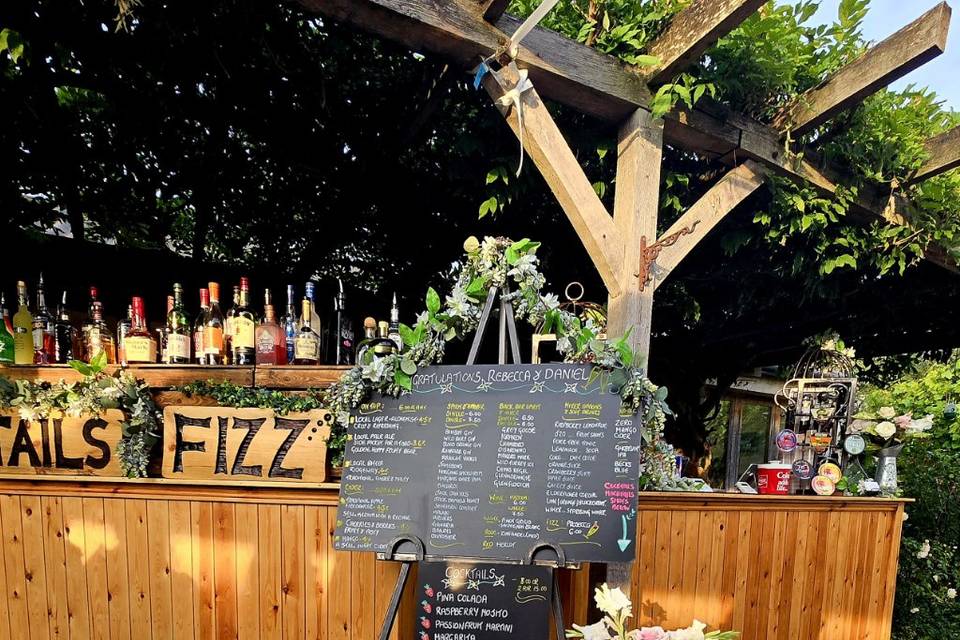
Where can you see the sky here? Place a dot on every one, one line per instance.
(888, 16)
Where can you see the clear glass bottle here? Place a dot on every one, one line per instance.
(290, 325)
(66, 333)
(213, 347)
(178, 329)
(139, 345)
(22, 328)
(307, 345)
(6, 334)
(44, 339)
(243, 340)
(364, 346)
(123, 328)
(271, 337)
(96, 336)
(394, 329)
(198, 352)
(228, 328)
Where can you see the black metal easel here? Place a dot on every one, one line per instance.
(508, 329)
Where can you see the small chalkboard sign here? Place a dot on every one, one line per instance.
(482, 601)
(497, 462)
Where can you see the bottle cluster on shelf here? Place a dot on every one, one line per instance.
(238, 336)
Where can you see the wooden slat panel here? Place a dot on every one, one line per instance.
(181, 567)
(248, 572)
(31, 518)
(78, 610)
(364, 581)
(204, 601)
(158, 552)
(96, 568)
(225, 571)
(296, 377)
(17, 603)
(292, 570)
(157, 376)
(118, 580)
(56, 569)
(315, 580)
(271, 584)
(803, 556)
(138, 569)
(338, 572)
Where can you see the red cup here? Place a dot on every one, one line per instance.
(773, 479)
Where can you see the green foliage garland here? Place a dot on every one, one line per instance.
(93, 395)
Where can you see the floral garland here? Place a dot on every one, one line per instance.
(512, 267)
(93, 395)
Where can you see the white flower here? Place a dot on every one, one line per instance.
(612, 601)
(885, 429)
(936, 578)
(596, 631)
(924, 550)
(693, 632)
(923, 424)
(887, 413)
(859, 425)
(550, 301)
(915, 610)
(951, 593)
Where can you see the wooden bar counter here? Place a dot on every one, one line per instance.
(162, 559)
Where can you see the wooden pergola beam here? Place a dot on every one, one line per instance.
(491, 10)
(944, 152)
(694, 30)
(919, 42)
(705, 214)
(548, 149)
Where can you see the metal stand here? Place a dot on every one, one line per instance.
(394, 605)
(508, 325)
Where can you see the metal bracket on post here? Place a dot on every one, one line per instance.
(556, 603)
(394, 605)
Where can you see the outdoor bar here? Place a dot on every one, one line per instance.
(292, 469)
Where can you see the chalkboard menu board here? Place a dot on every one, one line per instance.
(490, 462)
(482, 602)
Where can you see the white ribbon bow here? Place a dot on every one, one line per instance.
(514, 98)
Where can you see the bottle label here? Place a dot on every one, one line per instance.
(243, 329)
(305, 348)
(228, 329)
(198, 342)
(265, 342)
(178, 346)
(139, 349)
(213, 340)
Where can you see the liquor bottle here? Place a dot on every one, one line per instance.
(123, 328)
(383, 346)
(66, 333)
(139, 345)
(228, 328)
(162, 334)
(178, 329)
(44, 341)
(198, 353)
(394, 331)
(369, 335)
(243, 340)
(96, 336)
(22, 328)
(310, 294)
(290, 326)
(307, 345)
(344, 338)
(213, 351)
(271, 338)
(6, 334)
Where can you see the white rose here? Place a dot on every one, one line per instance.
(924, 550)
(693, 632)
(915, 610)
(885, 429)
(612, 601)
(859, 425)
(951, 593)
(886, 413)
(597, 631)
(923, 424)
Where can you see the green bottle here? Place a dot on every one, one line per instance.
(6, 334)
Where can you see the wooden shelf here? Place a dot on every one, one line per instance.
(159, 376)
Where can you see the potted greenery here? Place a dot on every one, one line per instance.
(886, 434)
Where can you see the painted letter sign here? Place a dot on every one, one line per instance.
(60, 445)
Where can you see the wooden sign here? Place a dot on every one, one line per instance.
(245, 445)
(61, 445)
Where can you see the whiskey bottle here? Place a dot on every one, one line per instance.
(178, 330)
(310, 294)
(96, 336)
(44, 341)
(123, 328)
(139, 345)
(228, 327)
(22, 328)
(66, 333)
(198, 354)
(243, 338)
(394, 330)
(271, 338)
(307, 345)
(290, 326)
(6, 334)
(213, 347)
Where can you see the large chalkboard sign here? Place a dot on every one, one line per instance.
(489, 462)
(482, 602)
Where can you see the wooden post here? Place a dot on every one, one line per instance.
(635, 208)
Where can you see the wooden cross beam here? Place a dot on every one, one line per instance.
(944, 152)
(493, 9)
(917, 43)
(694, 30)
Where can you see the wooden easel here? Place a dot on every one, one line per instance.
(508, 328)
